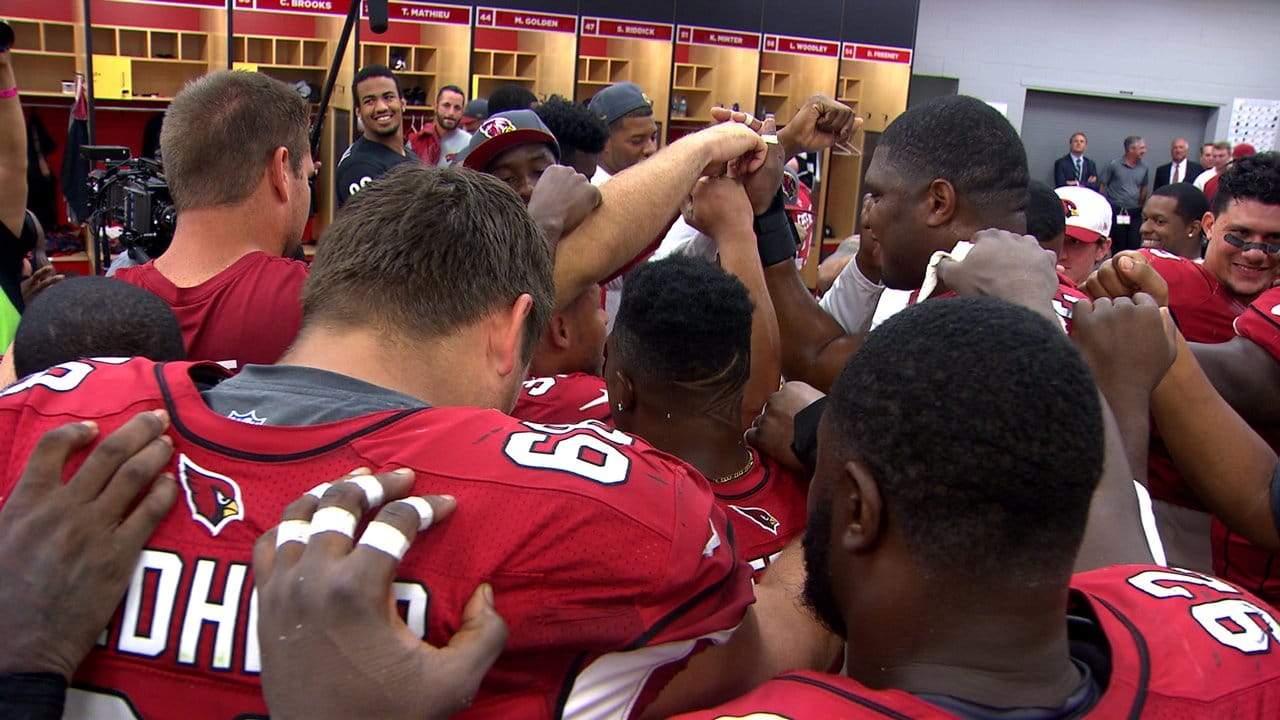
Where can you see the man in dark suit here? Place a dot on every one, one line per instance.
(1180, 169)
(1074, 168)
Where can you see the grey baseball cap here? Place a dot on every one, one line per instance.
(502, 131)
(477, 109)
(617, 100)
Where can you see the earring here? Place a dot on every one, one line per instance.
(619, 407)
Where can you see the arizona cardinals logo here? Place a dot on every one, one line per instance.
(493, 127)
(214, 499)
(759, 516)
(1069, 208)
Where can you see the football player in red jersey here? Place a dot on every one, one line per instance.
(564, 384)
(1228, 464)
(403, 338)
(69, 550)
(904, 503)
(940, 174)
(1241, 261)
(679, 357)
(933, 476)
(1246, 369)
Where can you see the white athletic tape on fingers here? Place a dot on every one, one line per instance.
(298, 531)
(333, 519)
(426, 515)
(371, 487)
(318, 491)
(385, 537)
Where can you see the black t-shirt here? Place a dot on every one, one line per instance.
(12, 250)
(364, 162)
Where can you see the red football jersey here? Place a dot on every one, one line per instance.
(248, 313)
(1181, 645)
(596, 544)
(1204, 311)
(766, 507)
(1203, 307)
(559, 399)
(1261, 322)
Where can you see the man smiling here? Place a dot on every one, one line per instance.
(381, 147)
(441, 140)
(1241, 261)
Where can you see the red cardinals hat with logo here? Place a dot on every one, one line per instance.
(1088, 213)
(502, 131)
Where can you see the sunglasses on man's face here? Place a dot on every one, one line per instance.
(1235, 241)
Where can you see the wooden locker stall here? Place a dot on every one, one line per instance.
(533, 48)
(875, 72)
(428, 47)
(612, 50)
(716, 62)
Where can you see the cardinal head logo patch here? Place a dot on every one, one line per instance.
(214, 499)
(759, 516)
(493, 127)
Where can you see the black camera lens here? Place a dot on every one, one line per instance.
(6, 36)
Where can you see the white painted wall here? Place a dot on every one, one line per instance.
(1200, 51)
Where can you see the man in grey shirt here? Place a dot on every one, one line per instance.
(1124, 183)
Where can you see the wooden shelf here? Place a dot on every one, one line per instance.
(688, 75)
(603, 70)
(416, 58)
(681, 88)
(420, 62)
(42, 53)
(692, 120)
(170, 61)
(108, 103)
(504, 64)
(281, 66)
(278, 52)
(516, 79)
(773, 95)
(47, 57)
(147, 61)
(419, 108)
(46, 94)
(43, 36)
(775, 83)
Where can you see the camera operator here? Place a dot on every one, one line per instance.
(17, 234)
(237, 163)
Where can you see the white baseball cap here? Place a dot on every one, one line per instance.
(1088, 213)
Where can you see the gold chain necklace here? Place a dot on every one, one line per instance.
(751, 462)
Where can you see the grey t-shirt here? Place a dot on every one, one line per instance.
(1124, 183)
(450, 146)
(297, 395)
